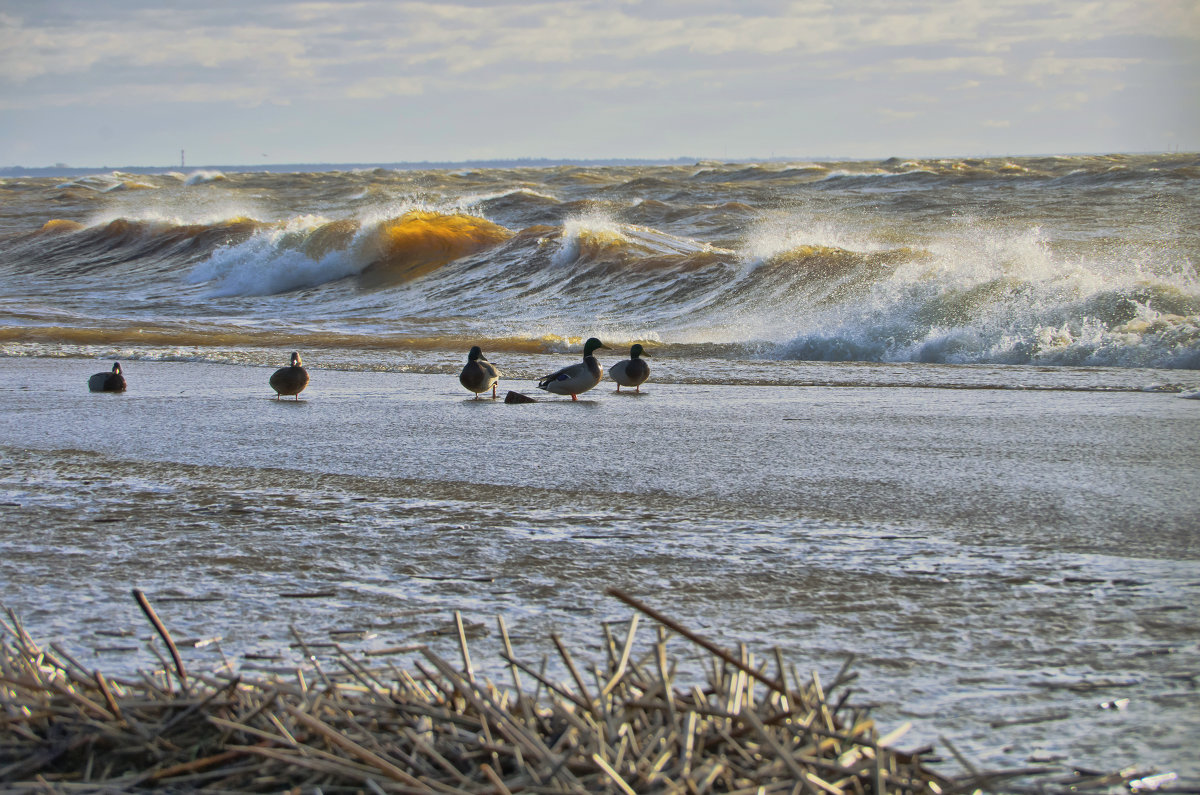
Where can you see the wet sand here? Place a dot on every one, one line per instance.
(988, 555)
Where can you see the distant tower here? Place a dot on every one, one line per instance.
(181, 164)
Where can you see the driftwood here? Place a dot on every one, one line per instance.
(518, 397)
(343, 726)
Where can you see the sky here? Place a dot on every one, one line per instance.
(113, 83)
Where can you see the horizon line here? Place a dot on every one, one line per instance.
(61, 168)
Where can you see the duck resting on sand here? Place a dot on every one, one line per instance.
(290, 380)
(576, 378)
(108, 382)
(633, 371)
(479, 375)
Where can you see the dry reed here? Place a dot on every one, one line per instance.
(626, 726)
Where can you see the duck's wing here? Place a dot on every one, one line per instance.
(568, 372)
(473, 377)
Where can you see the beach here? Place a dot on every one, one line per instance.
(936, 415)
(1000, 563)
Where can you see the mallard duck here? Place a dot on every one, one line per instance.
(576, 378)
(633, 371)
(108, 382)
(479, 375)
(290, 380)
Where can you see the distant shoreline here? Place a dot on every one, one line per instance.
(66, 171)
(63, 170)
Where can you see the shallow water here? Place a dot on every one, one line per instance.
(928, 413)
(988, 555)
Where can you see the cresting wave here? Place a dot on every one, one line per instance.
(990, 261)
(309, 251)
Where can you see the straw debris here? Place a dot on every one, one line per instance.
(629, 727)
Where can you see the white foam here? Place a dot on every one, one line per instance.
(598, 225)
(575, 229)
(977, 293)
(471, 203)
(203, 176)
(271, 262)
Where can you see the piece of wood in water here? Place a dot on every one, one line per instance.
(189, 598)
(392, 650)
(517, 397)
(442, 577)
(1048, 717)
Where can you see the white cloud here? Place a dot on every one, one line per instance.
(383, 87)
(318, 40)
(770, 60)
(985, 66)
(1051, 69)
(1071, 100)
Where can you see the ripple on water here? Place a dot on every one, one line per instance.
(957, 635)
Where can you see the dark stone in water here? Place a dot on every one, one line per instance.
(517, 397)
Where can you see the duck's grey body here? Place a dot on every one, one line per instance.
(479, 375)
(108, 382)
(633, 371)
(576, 378)
(290, 380)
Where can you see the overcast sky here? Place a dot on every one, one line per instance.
(129, 82)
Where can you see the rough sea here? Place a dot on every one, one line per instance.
(939, 416)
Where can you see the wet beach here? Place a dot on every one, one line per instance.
(989, 557)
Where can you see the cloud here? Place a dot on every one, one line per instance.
(322, 43)
(971, 65)
(383, 87)
(1052, 69)
(747, 67)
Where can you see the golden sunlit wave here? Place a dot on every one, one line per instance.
(56, 226)
(172, 336)
(419, 242)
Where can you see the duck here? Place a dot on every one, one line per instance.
(633, 371)
(479, 375)
(290, 380)
(577, 378)
(108, 382)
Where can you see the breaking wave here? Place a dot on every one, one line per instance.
(891, 261)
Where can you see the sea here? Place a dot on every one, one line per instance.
(931, 420)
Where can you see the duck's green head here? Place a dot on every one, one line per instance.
(637, 350)
(476, 354)
(592, 344)
(296, 360)
(116, 368)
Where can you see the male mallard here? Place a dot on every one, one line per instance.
(290, 380)
(633, 371)
(479, 375)
(577, 378)
(108, 382)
